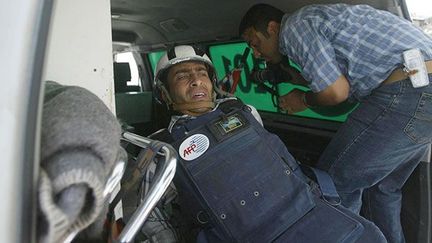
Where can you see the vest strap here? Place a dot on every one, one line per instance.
(328, 189)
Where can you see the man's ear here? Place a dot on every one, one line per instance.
(273, 27)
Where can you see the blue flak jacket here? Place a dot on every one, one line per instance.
(241, 184)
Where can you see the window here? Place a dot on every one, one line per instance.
(227, 56)
(421, 14)
(128, 57)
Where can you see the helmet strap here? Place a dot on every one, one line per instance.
(165, 95)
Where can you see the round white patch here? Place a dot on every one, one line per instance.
(194, 146)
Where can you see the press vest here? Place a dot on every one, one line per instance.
(242, 185)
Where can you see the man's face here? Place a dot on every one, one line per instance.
(265, 47)
(189, 82)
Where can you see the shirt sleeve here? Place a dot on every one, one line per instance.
(306, 44)
(158, 227)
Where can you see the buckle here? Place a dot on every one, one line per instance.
(408, 72)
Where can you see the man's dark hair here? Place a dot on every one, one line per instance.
(258, 17)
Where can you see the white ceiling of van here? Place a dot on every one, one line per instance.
(152, 24)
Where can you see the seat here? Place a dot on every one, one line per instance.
(416, 212)
(133, 106)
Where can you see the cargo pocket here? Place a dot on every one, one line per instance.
(266, 195)
(419, 128)
(324, 224)
(266, 207)
(253, 195)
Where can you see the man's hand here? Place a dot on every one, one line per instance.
(297, 100)
(293, 101)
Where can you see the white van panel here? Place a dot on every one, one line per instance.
(79, 50)
(18, 24)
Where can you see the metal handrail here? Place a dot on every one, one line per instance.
(162, 178)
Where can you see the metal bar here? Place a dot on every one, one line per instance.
(139, 141)
(162, 178)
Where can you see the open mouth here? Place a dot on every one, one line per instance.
(199, 95)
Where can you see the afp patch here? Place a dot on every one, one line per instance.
(194, 146)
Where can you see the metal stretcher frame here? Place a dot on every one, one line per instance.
(162, 178)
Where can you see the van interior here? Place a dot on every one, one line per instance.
(148, 28)
(112, 48)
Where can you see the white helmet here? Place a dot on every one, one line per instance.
(176, 55)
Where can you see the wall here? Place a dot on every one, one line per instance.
(79, 50)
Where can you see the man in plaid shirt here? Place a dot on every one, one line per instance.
(355, 52)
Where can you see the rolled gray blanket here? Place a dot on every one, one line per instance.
(80, 143)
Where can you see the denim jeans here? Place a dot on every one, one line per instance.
(377, 148)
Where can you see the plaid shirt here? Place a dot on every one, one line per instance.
(161, 225)
(362, 43)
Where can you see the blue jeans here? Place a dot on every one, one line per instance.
(377, 148)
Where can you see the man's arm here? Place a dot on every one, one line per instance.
(297, 100)
(158, 227)
(334, 94)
